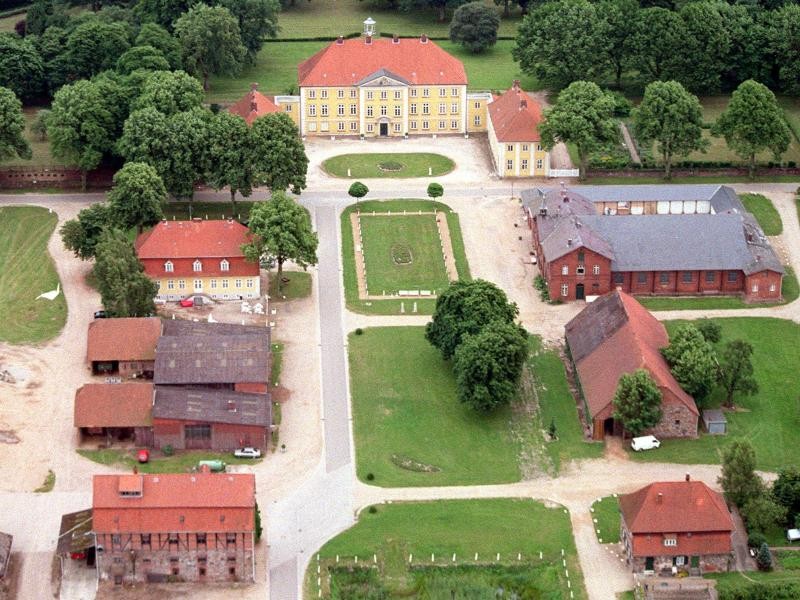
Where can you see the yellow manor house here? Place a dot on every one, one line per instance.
(396, 87)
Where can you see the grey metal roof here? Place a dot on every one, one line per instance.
(205, 359)
(570, 233)
(175, 327)
(212, 406)
(714, 415)
(383, 73)
(75, 533)
(594, 325)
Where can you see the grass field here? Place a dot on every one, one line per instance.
(207, 210)
(39, 148)
(606, 516)
(298, 286)
(277, 363)
(764, 212)
(27, 270)
(464, 528)
(694, 179)
(729, 583)
(180, 462)
(770, 418)
(388, 307)
(7, 23)
(403, 253)
(364, 166)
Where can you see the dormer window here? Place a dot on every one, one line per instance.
(224, 265)
(169, 267)
(197, 266)
(670, 541)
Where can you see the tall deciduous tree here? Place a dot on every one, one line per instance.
(169, 92)
(739, 480)
(162, 12)
(582, 115)
(736, 370)
(94, 46)
(708, 46)
(152, 34)
(474, 26)
(786, 491)
(211, 43)
(281, 231)
(637, 402)
(620, 17)
(673, 118)
(12, 127)
(124, 288)
(82, 233)
(753, 123)
(562, 41)
(142, 57)
(488, 365)
(21, 67)
(657, 43)
(231, 149)
(280, 158)
(787, 42)
(81, 126)
(258, 20)
(465, 308)
(692, 361)
(137, 197)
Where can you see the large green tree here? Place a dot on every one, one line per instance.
(786, 491)
(95, 46)
(465, 308)
(258, 20)
(142, 57)
(137, 197)
(280, 160)
(786, 38)
(81, 126)
(762, 513)
(692, 361)
(169, 92)
(673, 118)
(12, 127)
(281, 231)
(232, 157)
(753, 122)
(21, 67)
(657, 43)
(152, 34)
(211, 43)
(582, 115)
(637, 402)
(474, 26)
(162, 12)
(488, 365)
(620, 17)
(708, 44)
(739, 479)
(736, 370)
(82, 233)
(563, 41)
(124, 288)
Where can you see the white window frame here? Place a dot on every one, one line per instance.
(397, 111)
(596, 269)
(170, 284)
(670, 542)
(169, 267)
(324, 110)
(477, 120)
(442, 108)
(397, 127)
(312, 110)
(370, 111)
(340, 110)
(454, 124)
(238, 283)
(397, 95)
(509, 165)
(340, 93)
(197, 266)
(564, 290)
(340, 126)
(384, 94)
(454, 107)
(353, 110)
(565, 269)
(224, 265)
(312, 94)
(353, 126)
(412, 124)
(181, 284)
(323, 94)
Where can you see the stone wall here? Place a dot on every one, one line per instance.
(676, 421)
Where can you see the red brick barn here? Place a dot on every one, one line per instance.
(124, 347)
(117, 411)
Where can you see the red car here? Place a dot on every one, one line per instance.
(187, 302)
(143, 456)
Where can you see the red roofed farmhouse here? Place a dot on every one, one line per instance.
(683, 525)
(199, 257)
(615, 335)
(194, 527)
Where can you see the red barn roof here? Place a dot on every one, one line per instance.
(516, 116)
(140, 335)
(176, 502)
(416, 61)
(253, 105)
(193, 239)
(114, 405)
(615, 335)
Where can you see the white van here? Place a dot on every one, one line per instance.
(646, 442)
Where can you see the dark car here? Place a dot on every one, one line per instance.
(100, 314)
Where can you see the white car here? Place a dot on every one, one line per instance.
(247, 453)
(646, 442)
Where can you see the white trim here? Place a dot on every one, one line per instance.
(464, 111)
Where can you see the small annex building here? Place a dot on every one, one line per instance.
(675, 526)
(253, 105)
(615, 335)
(119, 411)
(194, 527)
(125, 347)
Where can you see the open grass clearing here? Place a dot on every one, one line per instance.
(790, 290)
(40, 148)
(425, 306)
(764, 212)
(183, 461)
(729, 583)
(184, 211)
(8, 23)
(769, 419)
(507, 527)
(296, 285)
(27, 270)
(605, 513)
(277, 363)
(368, 165)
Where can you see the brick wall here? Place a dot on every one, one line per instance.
(593, 284)
(763, 287)
(58, 177)
(224, 436)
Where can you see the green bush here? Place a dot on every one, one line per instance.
(540, 283)
(764, 558)
(168, 450)
(755, 539)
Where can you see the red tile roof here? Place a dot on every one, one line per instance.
(253, 105)
(193, 239)
(124, 339)
(347, 62)
(516, 116)
(675, 508)
(615, 335)
(114, 405)
(177, 502)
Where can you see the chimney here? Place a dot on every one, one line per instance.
(688, 477)
(340, 40)
(569, 241)
(254, 86)
(231, 406)
(395, 39)
(515, 85)
(423, 39)
(660, 498)
(368, 40)
(523, 104)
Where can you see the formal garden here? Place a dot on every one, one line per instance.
(28, 271)
(391, 165)
(467, 548)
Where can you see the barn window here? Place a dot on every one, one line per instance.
(710, 276)
(641, 277)
(619, 278)
(687, 276)
(565, 290)
(733, 276)
(772, 287)
(596, 269)
(565, 270)
(581, 256)
(755, 288)
(663, 278)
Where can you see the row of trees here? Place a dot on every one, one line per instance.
(671, 117)
(474, 326)
(707, 46)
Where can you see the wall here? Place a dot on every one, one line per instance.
(59, 177)
(220, 285)
(763, 286)
(677, 421)
(224, 436)
(594, 285)
(476, 107)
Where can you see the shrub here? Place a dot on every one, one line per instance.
(168, 450)
(358, 190)
(435, 190)
(755, 539)
(540, 283)
(372, 510)
(359, 331)
(622, 106)
(711, 330)
(764, 558)
(370, 477)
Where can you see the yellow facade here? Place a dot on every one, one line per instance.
(476, 111)
(291, 106)
(521, 159)
(218, 288)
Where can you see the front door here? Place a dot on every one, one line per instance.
(648, 563)
(580, 294)
(384, 129)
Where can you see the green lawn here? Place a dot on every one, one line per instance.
(364, 166)
(770, 419)
(509, 527)
(180, 462)
(764, 212)
(48, 484)
(183, 211)
(790, 291)
(691, 180)
(27, 270)
(730, 583)
(388, 307)
(298, 286)
(605, 513)
(277, 363)
(40, 148)
(7, 23)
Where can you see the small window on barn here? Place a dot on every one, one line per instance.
(710, 276)
(670, 541)
(596, 269)
(619, 278)
(169, 267)
(687, 276)
(772, 287)
(197, 266)
(224, 265)
(565, 270)
(641, 277)
(733, 276)
(755, 288)
(663, 278)
(565, 290)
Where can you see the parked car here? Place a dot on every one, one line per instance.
(247, 453)
(143, 456)
(187, 302)
(100, 314)
(646, 442)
